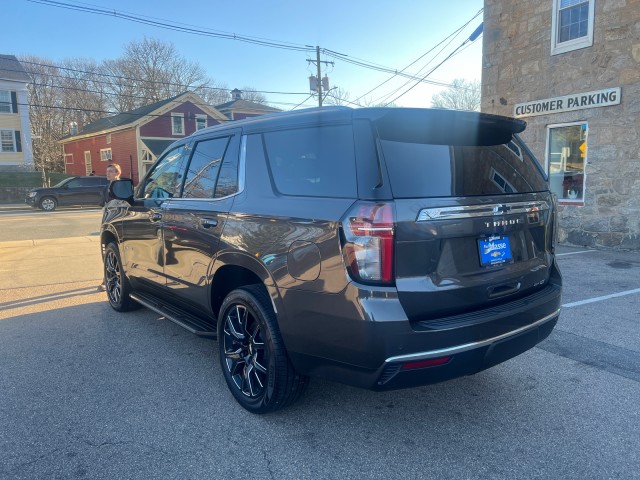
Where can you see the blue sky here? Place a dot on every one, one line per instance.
(389, 34)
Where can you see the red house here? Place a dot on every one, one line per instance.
(136, 138)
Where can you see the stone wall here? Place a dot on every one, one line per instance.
(518, 67)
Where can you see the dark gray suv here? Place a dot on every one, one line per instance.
(382, 248)
(73, 191)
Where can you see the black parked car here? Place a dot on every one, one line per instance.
(73, 191)
(382, 248)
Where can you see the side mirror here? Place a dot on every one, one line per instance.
(121, 189)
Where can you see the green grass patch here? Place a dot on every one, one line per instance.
(29, 179)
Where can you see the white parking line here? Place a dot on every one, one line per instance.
(574, 253)
(604, 297)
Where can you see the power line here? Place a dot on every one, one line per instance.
(229, 36)
(134, 79)
(476, 33)
(172, 26)
(451, 38)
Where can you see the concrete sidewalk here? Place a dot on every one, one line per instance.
(57, 261)
(7, 207)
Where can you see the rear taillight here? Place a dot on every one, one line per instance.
(553, 238)
(369, 242)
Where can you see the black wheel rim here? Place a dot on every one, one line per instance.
(245, 353)
(113, 277)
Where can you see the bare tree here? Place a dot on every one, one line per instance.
(150, 71)
(45, 113)
(251, 95)
(215, 93)
(338, 96)
(83, 90)
(462, 95)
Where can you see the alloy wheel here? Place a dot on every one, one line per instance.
(48, 204)
(245, 353)
(113, 277)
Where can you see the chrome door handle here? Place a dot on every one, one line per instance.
(208, 222)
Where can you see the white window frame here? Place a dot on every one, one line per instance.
(576, 43)
(68, 158)
(547, 162)
(200, 116)
(13, 141)
(105, 155)
(173, 129)
(8, 102)
(108, 138)
(146, 156)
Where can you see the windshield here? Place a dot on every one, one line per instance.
(62, 183)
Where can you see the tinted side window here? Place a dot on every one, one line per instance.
(228, 178)
(75, 183)
(204, 167)
(166, 178)
(93, 182)
(316, 161)
(99, 181)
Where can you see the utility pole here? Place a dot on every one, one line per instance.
(318, 83)
(319, 76)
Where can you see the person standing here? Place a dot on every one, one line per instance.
(113, 173)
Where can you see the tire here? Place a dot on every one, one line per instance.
(253, 358)
(48, 204)
(116, 283)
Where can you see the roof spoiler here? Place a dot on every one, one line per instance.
(446, 127)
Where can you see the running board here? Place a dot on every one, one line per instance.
(190, 322)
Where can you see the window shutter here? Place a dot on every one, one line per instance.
(18, 142)
(14, 103)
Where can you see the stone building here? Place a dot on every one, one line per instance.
(571, 70)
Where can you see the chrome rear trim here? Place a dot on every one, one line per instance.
(443, 352)
(489, 210)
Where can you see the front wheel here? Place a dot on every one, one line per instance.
(116, 283)
(48, 204)
(252, 355)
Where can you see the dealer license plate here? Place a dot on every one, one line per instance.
(494, 250)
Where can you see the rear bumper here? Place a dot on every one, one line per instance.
(465, 359)
(375, 346)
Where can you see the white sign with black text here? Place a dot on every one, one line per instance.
(567, 103)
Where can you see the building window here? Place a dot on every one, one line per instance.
(68, 158)
(572, 25)
(87, 161)
(105, 154)
(5, 102)
(201, 122)
(566, 158)
(108, 139)
(146, 155)
(177, 124)
(7, 141)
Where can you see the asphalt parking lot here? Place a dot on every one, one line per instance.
(88, 393)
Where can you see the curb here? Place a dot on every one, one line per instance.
(44, 242)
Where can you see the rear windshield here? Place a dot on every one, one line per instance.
(427, 170)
